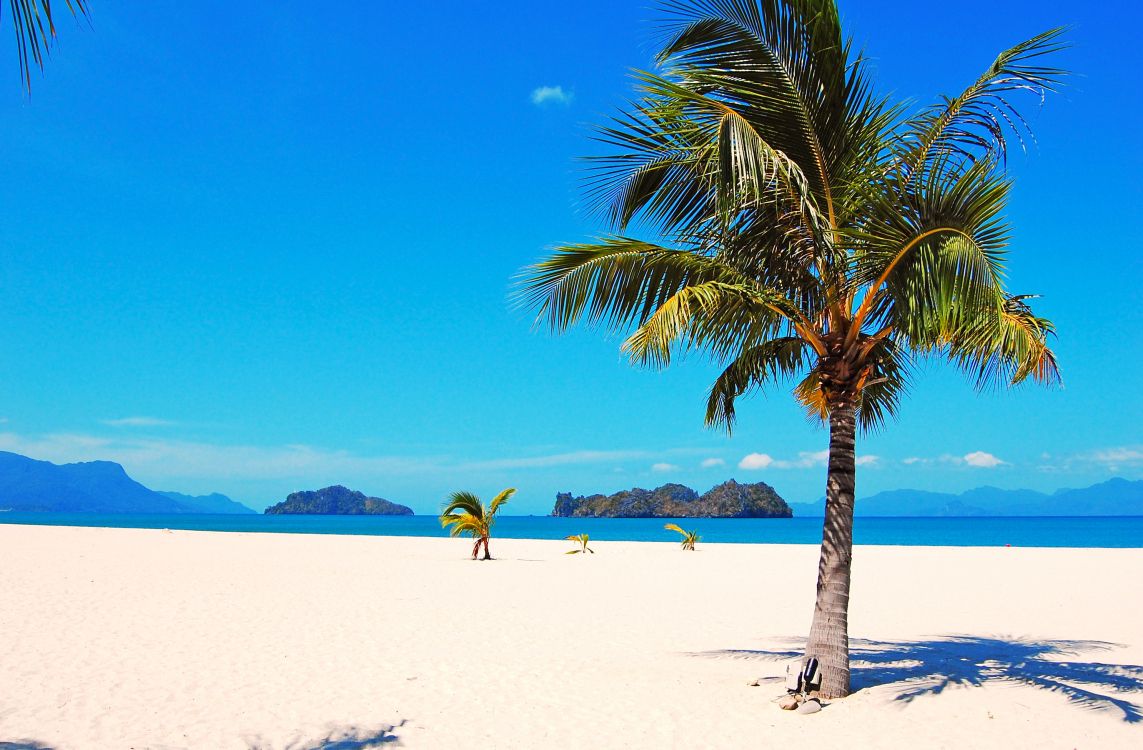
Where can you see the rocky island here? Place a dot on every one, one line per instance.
(727, 500)
(337, 500)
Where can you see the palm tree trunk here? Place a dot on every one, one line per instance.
(487, 554)
(829, 633)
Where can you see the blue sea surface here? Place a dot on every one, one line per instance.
(1125, 531)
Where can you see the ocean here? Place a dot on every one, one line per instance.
(1126, 531)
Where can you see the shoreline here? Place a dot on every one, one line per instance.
(552, 540)
(1053, 532)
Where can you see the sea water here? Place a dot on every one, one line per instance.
(957, 532)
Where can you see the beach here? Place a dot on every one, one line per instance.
(142, 638)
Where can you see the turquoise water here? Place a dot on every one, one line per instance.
(925, 532)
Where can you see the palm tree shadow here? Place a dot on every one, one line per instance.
(24, 745)
(340, 738)
(916, 668)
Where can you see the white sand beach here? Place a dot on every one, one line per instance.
(123, 638)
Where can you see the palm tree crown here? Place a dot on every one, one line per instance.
(808, 231)
(466, 514)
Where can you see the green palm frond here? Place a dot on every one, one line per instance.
(582, 539)
(465, 514)
(499, 500)
(713, 316)
(35, 28)
(977, 123)
(690, 538)
(784, 59)
(466, 503)
(1006, 346)
(619, 281)
(810, 231)
(766, 363)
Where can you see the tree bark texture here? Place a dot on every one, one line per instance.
(829, 632)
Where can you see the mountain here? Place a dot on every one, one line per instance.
(727, 500)
(212, 503)
(337, 500)
(92, 487)
(1115, 497)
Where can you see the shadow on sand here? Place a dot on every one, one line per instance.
(912, 669)
(341, 738)
(24, 745)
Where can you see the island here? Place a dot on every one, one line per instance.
(727, 500)
(337, 501)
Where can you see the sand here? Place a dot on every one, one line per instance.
(134, 638)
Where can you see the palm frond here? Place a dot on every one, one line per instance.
(465, 502)
(977, 123)
(35, 29)
(715, 316)
(784, 61)
(948, 238)
(499, 500)
(1006, 346)
(765, 363)
(620, 282)
(463, 523)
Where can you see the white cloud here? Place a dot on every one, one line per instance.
(755, 461)
(805, 460)
(551, 95)
(710, 463)
(982, 460)
(976, 459)
(867, 460)
(159, 459)
(664, 467)
(1110, 459)
(1115, 457)
(137, 422)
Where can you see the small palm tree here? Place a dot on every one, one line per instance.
(466, 514)
(582, 539)
(689, 537)
(35, 29)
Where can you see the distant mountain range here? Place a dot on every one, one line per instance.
(1115, 497)
(93, 487)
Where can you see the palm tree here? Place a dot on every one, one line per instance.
(583, 539)
(808, 232)
(690, 538)
(35, 29)
(466, 514)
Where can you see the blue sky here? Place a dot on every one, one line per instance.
(255, 249)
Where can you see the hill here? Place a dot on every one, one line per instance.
(337, 500)
(92, 487)
(1115, 497)
(212, 503)
(727, 500)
